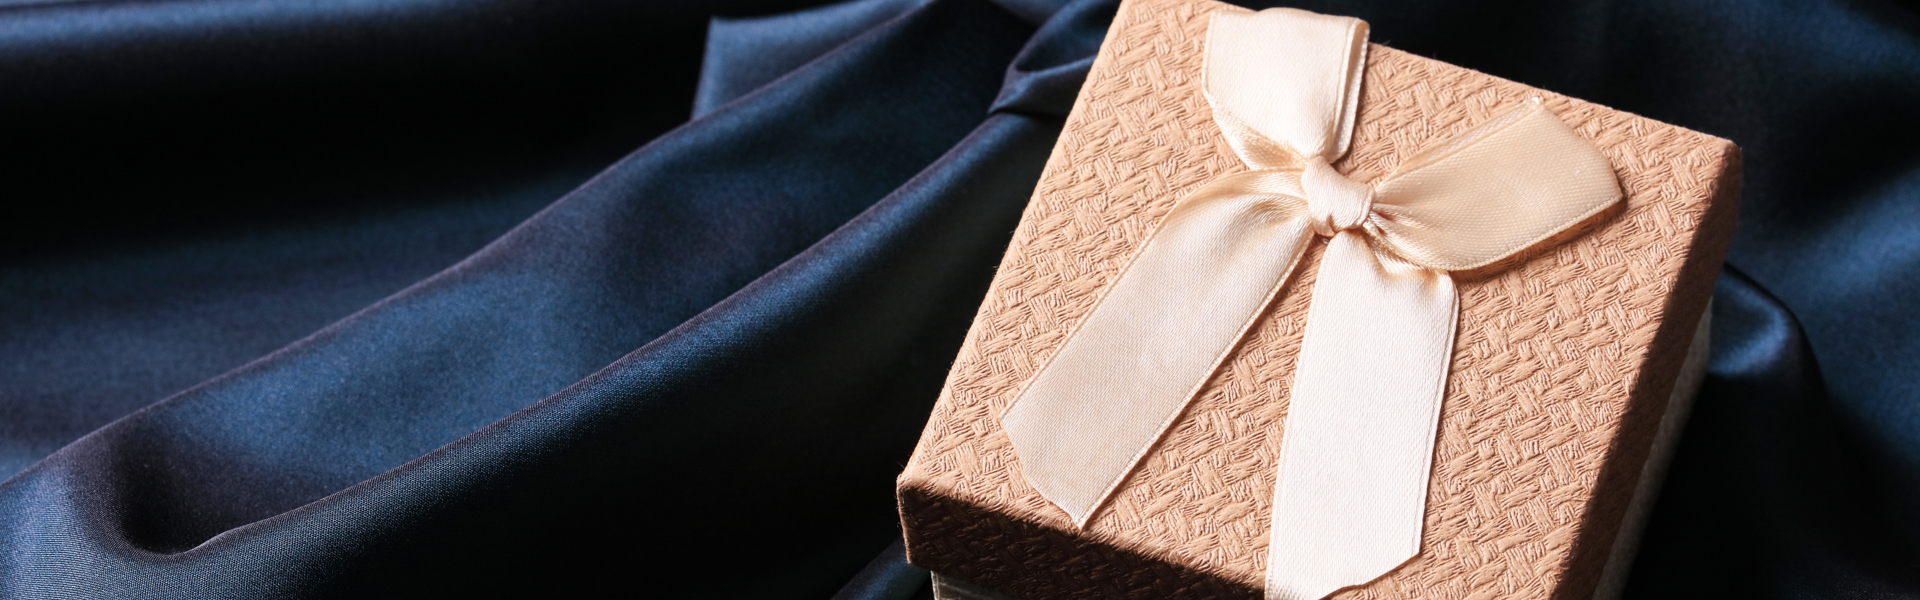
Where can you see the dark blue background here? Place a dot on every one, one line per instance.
(486, 297)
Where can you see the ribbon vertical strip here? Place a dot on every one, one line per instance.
(1357, 446)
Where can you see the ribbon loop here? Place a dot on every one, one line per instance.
(1290, 76)
(1357, 445)
(1498, 188)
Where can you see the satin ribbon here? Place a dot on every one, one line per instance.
(1357, 447)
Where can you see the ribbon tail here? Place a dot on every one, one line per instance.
(1357, 449)
(1156, 336)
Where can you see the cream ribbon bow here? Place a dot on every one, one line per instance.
(1357, 447)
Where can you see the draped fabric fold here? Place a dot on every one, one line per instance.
(1358, 441)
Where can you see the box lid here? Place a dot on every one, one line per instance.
(1564, 361)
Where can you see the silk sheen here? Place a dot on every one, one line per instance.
(1356, 451)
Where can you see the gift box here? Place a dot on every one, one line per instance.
(1571, 364)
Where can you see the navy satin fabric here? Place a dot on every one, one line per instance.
(418, 298)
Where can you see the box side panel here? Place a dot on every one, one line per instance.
(980, 545)
(1653, 389)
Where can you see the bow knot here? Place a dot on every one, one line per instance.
(1334, 203)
